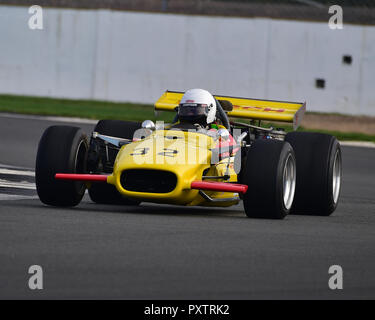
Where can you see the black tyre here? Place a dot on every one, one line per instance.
(270, 173)
(117, 128)
(107, 193)
(318, 158)
(62, 149)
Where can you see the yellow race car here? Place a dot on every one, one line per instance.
(273, 172)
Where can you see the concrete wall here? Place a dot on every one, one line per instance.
(127, 56)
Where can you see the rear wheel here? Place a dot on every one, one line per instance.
(107, 193)
(270, 173)
(319, 170)
(62, 149)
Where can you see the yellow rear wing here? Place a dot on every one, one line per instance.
(246, 108)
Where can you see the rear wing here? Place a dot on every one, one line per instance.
(246, 108)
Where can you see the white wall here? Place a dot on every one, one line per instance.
(127, 56)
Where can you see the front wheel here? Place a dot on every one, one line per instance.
(62, 149)
(270, 173)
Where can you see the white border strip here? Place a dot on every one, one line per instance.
(363, 144)
(6, 197)
(17, 172)
(47, 118)
(17, 185)
(10, 167)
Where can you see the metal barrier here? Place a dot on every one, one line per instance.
(355, 11)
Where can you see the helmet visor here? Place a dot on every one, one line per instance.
(192, 110)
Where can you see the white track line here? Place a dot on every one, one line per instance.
(47, 118)
(8, 166)
(16, 197)
(17, 185)
(17, 172)
(363, 144)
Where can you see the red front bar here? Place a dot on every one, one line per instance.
(219, 186)
(81, 177)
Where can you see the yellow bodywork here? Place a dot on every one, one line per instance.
(192, 158)
(245, 108)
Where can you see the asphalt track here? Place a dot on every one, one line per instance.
(169, 252)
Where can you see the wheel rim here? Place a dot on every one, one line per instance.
(336, 177)
(80, 165)
(289, 181)
(80, 157)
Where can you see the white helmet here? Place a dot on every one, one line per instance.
(197, 105)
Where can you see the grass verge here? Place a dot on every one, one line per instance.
(93, 109)
(90, 109)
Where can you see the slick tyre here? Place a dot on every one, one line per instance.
(319, 171)
(106, 193)
(270, 173)
(62, 149)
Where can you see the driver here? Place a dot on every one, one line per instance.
(197, 109)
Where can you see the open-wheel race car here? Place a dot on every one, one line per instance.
(202, 158)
